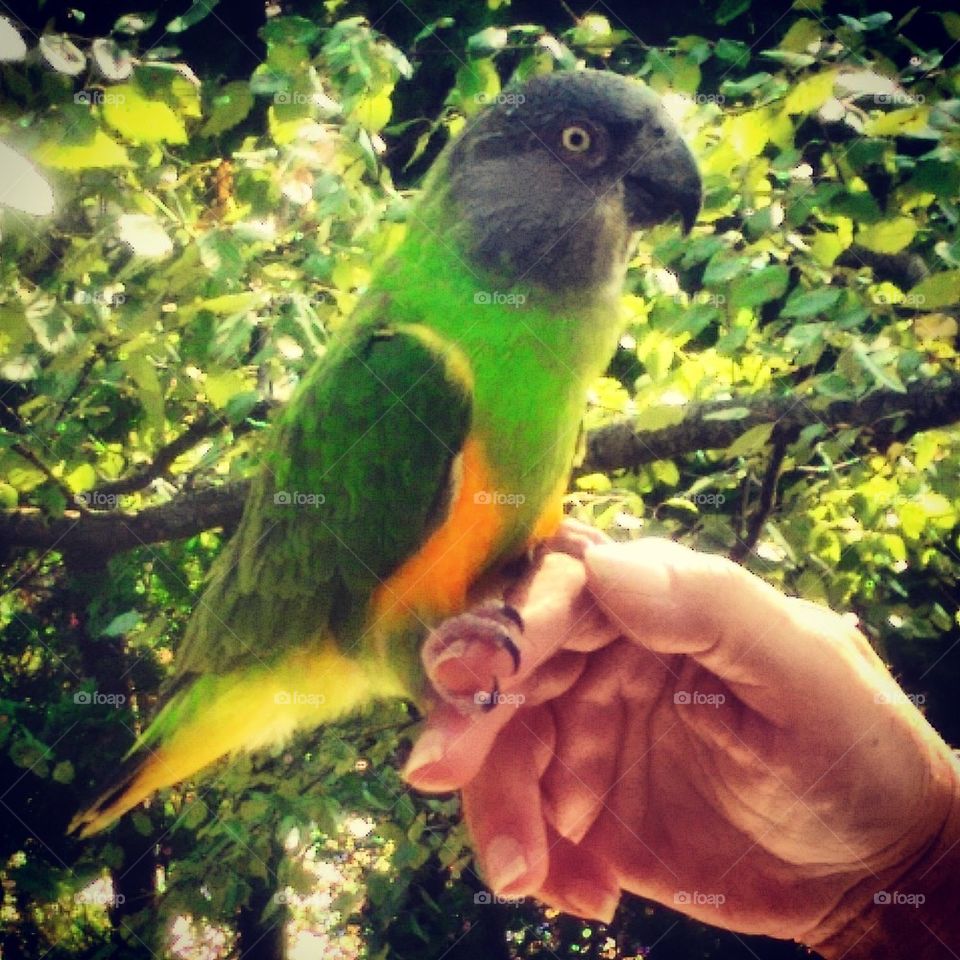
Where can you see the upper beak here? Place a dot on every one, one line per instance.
(664, 184)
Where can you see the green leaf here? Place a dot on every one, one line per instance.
(760, 287)
(477, 83)
(63, 772)
(751, 441)
(802, 304)
(122, 624)
(887, 378)
(729, 10)
(936, 291)
(199, 10)
(737, 88)
(229, 107)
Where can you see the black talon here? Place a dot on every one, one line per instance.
(511, 613)
(512, 649)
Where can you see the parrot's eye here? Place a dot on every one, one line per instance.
(576, 139)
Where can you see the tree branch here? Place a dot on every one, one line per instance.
(885, 414)
(204, 426)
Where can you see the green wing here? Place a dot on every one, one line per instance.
(355, 478)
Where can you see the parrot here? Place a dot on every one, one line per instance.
(433, 441)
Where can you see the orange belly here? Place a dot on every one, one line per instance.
(435, 580)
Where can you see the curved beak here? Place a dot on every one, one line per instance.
(664, 182)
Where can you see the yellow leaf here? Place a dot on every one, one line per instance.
(898, 122)
(83, 478)
(140, 119)
(826, 247)
(220, 387)
(810, 94)
(99, 153)
(747, 133)
(595, 482)
(888, 236)
(373, 112)
(935, 326)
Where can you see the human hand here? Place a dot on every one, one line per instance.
(681, 730)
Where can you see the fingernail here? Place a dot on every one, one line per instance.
(429, 749)
(505, 862)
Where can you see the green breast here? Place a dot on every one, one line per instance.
(533, 356)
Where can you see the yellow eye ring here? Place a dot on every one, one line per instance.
(576, 139)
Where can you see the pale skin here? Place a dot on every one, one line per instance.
(681, 730)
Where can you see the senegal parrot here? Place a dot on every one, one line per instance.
(434, 439)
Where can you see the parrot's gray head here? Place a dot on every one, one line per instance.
(549, 185)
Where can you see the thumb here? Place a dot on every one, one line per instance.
(674, 600)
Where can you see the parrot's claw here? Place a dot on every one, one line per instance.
(466, 655)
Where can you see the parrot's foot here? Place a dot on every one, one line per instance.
(466, 655)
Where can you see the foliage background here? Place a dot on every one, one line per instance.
(226, 180)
